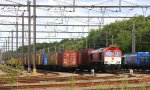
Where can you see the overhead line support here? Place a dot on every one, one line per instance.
(71, 16)
(78, 6)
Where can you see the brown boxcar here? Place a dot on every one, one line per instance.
(52, 58)
(83, 58)
(38, 59)
(67, 58)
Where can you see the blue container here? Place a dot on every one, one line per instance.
(139, 60)
(143, 58)
(130, 59)
(45, 59)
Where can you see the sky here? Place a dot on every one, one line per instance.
(65, 21)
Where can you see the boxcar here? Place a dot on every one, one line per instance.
(129, 61)
(83, 59)
(139, 60)
(52, 58)
(45, 59)
(67, 59)
(142, 60)
(149, 62)
(52, 61)
(38, 59)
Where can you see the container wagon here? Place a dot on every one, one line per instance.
(139, 60)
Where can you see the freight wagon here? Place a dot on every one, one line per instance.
(139, 60)
(67, 59)
(83, 59)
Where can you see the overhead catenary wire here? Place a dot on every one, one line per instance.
(75, 7)
(79, 6)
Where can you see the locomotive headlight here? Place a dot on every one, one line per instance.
(106, 62)
(118, 62)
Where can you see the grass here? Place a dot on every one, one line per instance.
(12, 74)
(72, 81)
(69, 88)
(124, 84)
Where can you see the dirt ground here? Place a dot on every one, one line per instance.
(78, 81)
(2, 73)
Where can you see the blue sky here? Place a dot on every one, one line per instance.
(66, 12)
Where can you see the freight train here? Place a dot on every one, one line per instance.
(101, 59)
(138, 60)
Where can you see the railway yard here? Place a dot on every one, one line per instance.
(48, 80)
(75, 45)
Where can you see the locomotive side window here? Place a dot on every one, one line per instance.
(109, 54)
(117, 54)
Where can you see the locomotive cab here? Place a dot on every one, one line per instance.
(112, 58)
(106, 58)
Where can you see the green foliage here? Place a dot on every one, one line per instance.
(12, 61)
(12, 73)
(119, 34)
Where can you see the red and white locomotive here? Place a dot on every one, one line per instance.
(106, 58)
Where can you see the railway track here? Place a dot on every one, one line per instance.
(77, 79)
(83, 84)
(54, 80)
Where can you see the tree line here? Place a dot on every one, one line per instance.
(118, 34)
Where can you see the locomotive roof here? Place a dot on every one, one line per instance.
(100, 49)
(97, 50)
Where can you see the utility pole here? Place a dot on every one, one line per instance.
(12, 43)
(133, 38)
(120, 5)
(6, 52)
(16, 39)
(86, 42)
(112, 40)
(94, 45)
(106, 39)
(8, 48)
(34, 37)
(88, 30)
(1, 56)
(48, 49)
(22, 37)
(73, 5)
(29, 35)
